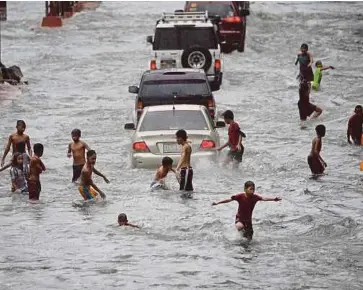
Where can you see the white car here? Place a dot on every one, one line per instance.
(154, 136)
(187, 40)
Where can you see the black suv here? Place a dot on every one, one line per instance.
(173, 86)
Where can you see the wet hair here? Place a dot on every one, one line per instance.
(181, 134)
(122, 217)
(228, 115)
(166, 161)
(14, 161)
(320, 130)
(358, 108)
(249, 184)
(76, 132)
(305, 46)
(20, 123)
(38, 148)
(318, 63)
(90, 153)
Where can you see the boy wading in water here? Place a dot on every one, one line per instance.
(77, 149)
(234, 140)
(186, 170)
(246, 204)
(316, 163)
(305, 107)
(355, 124)
(35, 169)
(305, 59)
(17, 141)
(318, 75)
(161, 173)
(87, 188)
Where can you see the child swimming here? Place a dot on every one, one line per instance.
(122, 221)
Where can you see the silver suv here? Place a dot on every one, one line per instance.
(187, 40)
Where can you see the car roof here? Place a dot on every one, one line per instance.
(170, 74)
(170, 108)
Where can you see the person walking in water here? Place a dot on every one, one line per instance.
(246, 203)
(35, 169)
(318, 75)
(305, 59)
(316, 162)
(305, 107)
(355, 124)
(186, 170)
(18, 141)
(77, 149)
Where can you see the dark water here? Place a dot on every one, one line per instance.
(79, 76)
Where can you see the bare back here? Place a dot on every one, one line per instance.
(316, 146)
(36, 167)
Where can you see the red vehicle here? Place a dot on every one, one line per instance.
(231, 20)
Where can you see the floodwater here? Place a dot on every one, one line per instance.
(78, 78)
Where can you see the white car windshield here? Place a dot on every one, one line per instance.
(177, 38)
(173, 120)
(165, 88)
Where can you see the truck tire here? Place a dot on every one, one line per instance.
(196, 57)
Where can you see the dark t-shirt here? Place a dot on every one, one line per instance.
(245, 205)
(233, 135)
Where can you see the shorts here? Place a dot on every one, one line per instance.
(236, 155)
(34, 189)
(315, 165)
(247, 228)
(87, 192)
(77, 170)
(186, 179)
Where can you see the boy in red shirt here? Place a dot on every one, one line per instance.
(234, 140)
(246, 204)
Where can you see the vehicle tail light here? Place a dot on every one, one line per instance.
(139, 105)
(233, 19)
(207, 144)
(153, 65)
(140, 147)
(217, 65)
(211, 105)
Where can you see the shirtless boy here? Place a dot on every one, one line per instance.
(355, 124)
(87, 188)
(123, 221)
(35, 169)
(78, 149)
(17, 141)
(161, 173)
(246, 203)
(186, 171)
(316, 163)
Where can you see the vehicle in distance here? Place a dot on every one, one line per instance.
(154, 136)
(187, 40)
(231, 20)
(173, 86)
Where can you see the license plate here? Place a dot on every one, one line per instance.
(171, 148)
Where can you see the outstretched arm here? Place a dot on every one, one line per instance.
(6, 166)
(132, 225)
(86, 146)
(7, 149)
(327, 67)
(95, 171)
(223, 146)
(311, 60)
(227, 200)
(277, 198)
(69, 153)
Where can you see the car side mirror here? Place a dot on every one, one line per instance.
(129, 126)
(133, 89)
(149, 39)
(220, 124)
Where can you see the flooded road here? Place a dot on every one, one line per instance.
(78, 78)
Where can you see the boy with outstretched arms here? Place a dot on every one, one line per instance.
(77, 149)
(246, 203)
(87, 188)
(186, 170)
